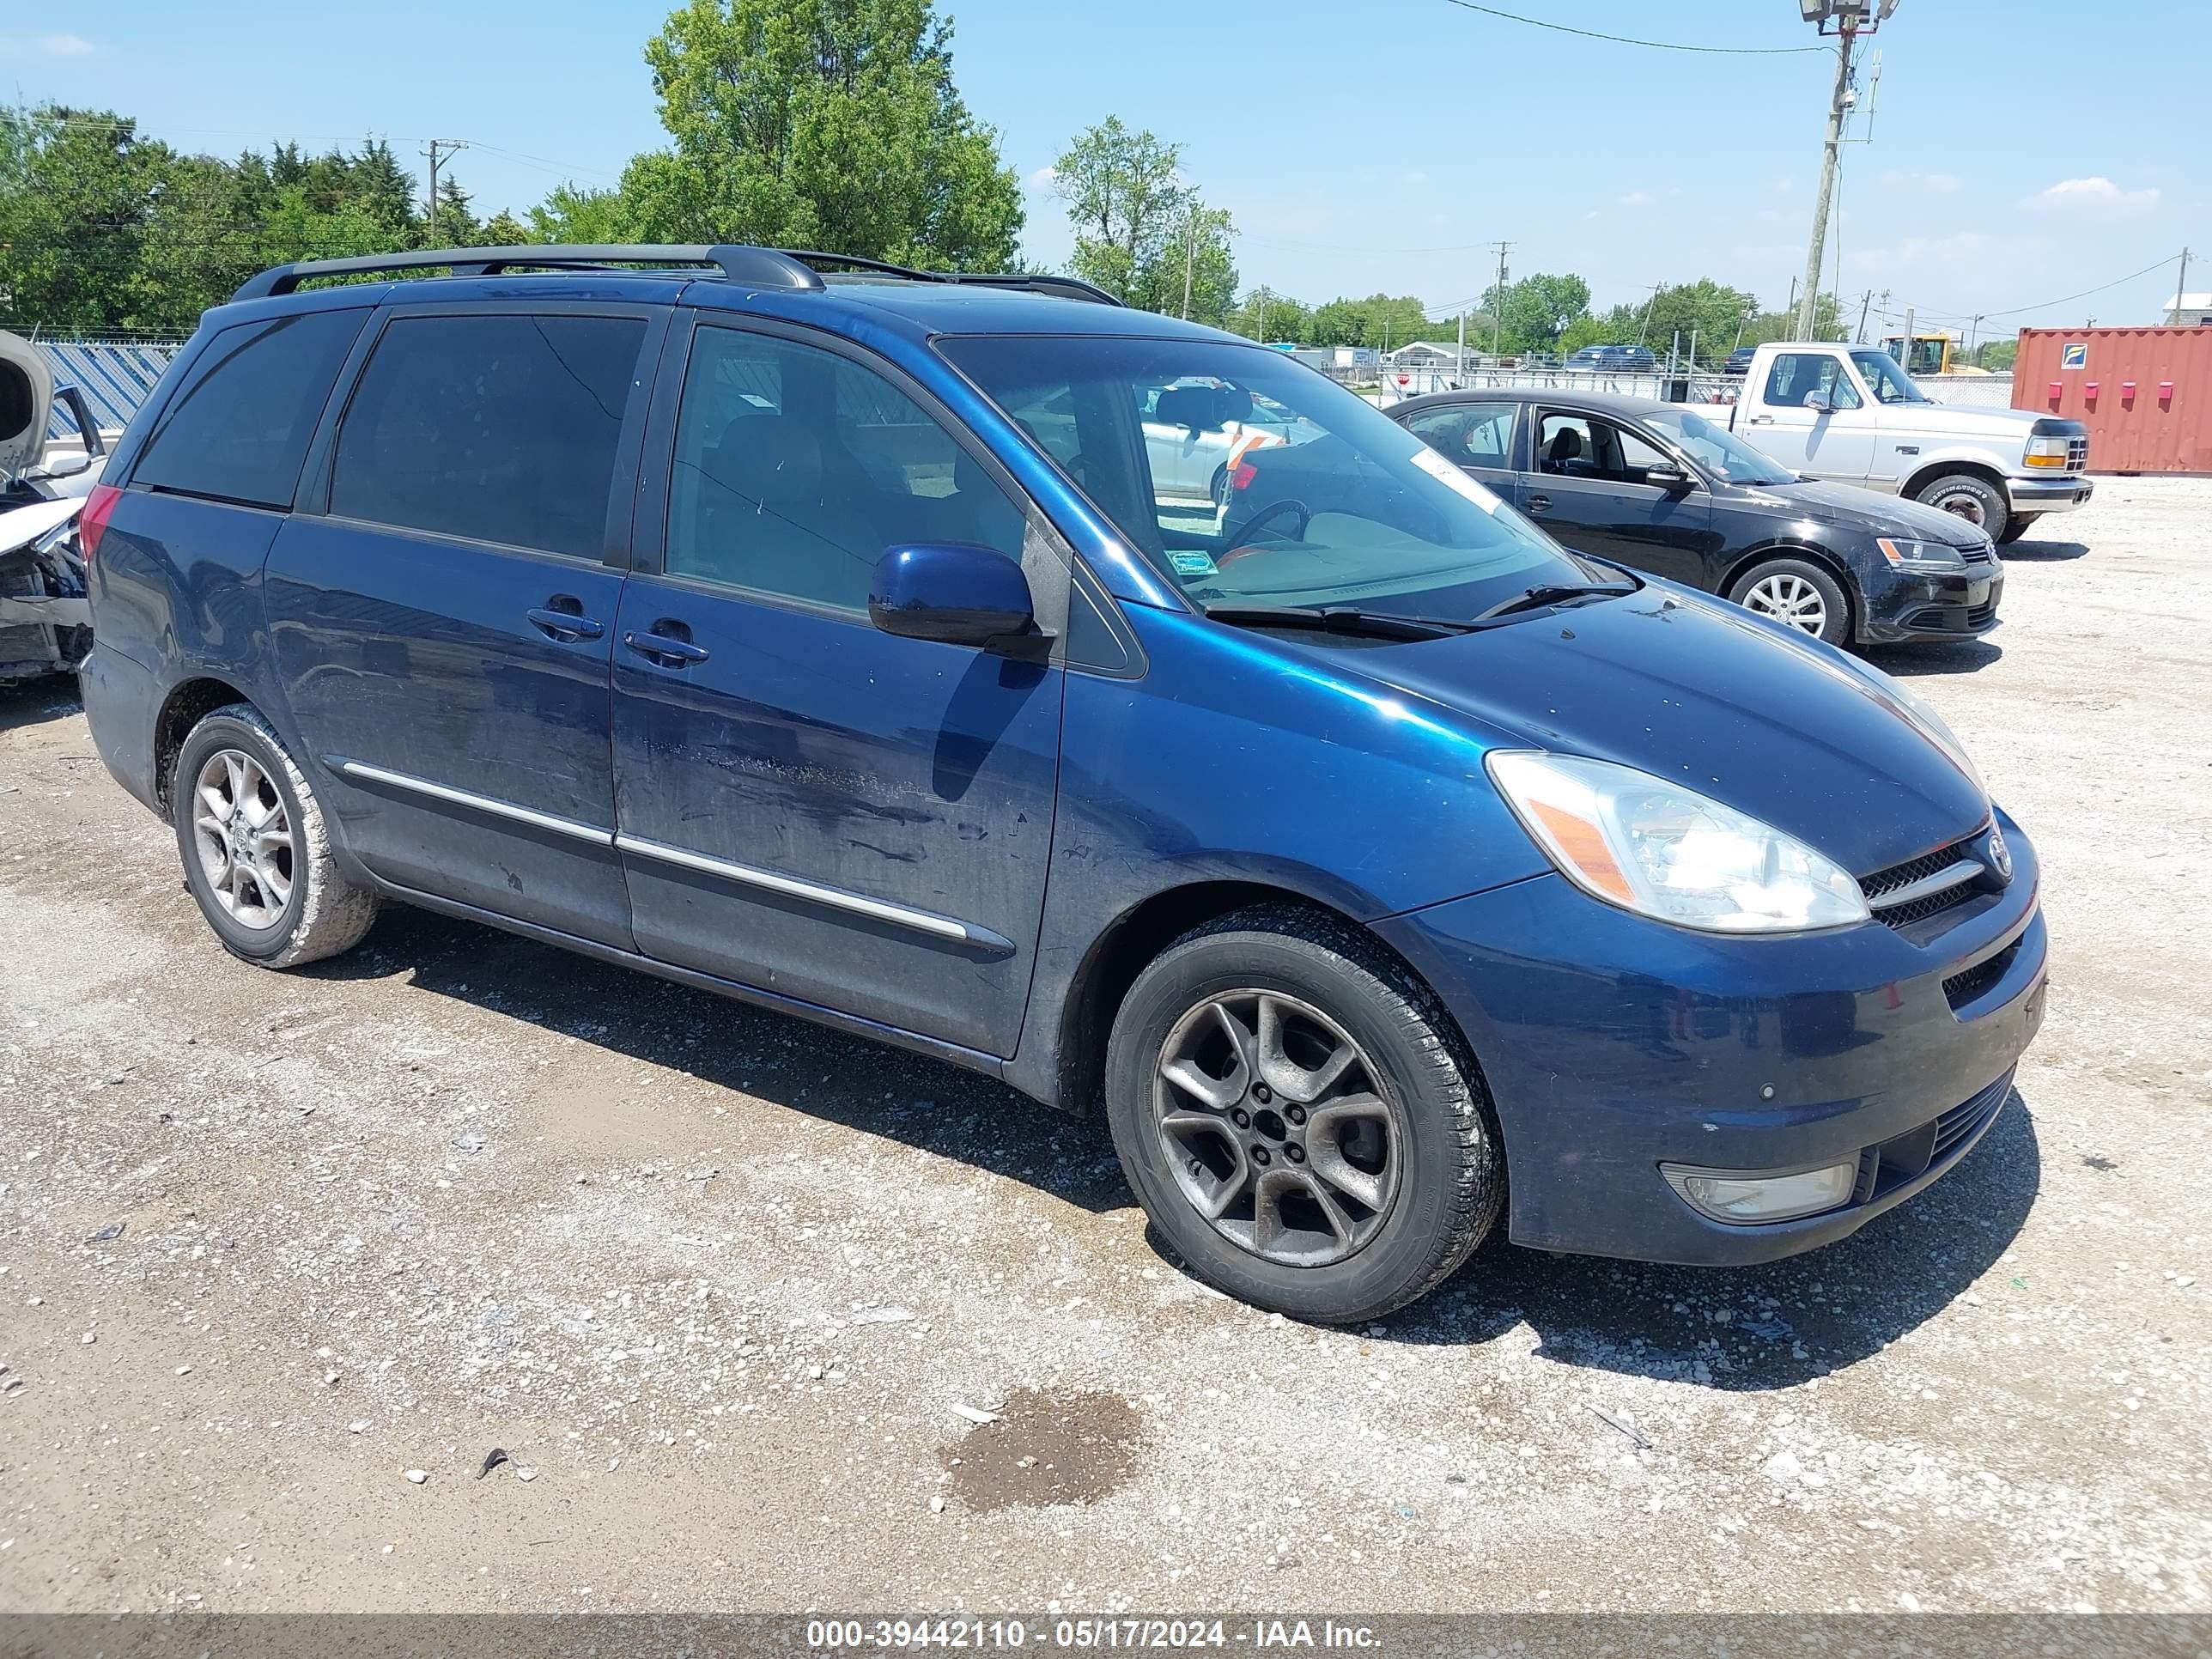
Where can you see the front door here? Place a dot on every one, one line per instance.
(442, 631)
(1811, 417)
(1588, 491)
(808, 806)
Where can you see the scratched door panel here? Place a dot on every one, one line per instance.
(846, 799)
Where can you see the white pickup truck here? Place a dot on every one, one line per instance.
(1849, 413)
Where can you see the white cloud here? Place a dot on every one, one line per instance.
(1638, 198)
(1044, 179)
(2095, 194)
(44, 46)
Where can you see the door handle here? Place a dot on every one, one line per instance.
(1760, 420)
(565, 626)
(1539, 503)
(665, 649)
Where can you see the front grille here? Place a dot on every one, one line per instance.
(1897, 877)
(1960, 1123)
(1885, 1167)
(2077, 453)
(1984, 552)
(1964, 987)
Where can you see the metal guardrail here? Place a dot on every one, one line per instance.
(116, 376)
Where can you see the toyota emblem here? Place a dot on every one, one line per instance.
(2000, 855)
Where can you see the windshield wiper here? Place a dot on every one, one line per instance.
(1547, 594)
(1337, 619)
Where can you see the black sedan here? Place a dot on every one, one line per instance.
(1658, 487)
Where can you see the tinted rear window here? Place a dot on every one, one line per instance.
(497, 428)
(239, 425)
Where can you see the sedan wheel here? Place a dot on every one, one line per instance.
(1789, 597)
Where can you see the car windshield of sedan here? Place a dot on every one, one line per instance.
(1247, 478)
(1890, 384)
(1719, 450)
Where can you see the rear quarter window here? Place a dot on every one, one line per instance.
(238, 426)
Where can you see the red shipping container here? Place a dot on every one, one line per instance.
(2144, 393)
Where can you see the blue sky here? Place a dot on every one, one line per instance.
(2019, 152)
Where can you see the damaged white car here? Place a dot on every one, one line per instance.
(45, 624)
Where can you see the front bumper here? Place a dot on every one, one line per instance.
(2061, 494)
(1613, 1044)
(1943, 604)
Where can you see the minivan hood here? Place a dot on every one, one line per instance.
(1705, 695)
(1870, 512)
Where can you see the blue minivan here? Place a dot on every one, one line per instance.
(815, 632)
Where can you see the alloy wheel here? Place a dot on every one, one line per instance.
(243, 833)
(1789, 597)
(1279, 1130)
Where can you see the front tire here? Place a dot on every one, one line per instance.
(1799, 593)
(1299, 1118)
(2020, 526)
(1976, 499)
(256, 848)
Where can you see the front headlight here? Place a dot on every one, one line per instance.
(1668, 852)
(2047, 452)
(1919, 556)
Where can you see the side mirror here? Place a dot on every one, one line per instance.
(1665, 478)
(956, 592)
(1819, 403)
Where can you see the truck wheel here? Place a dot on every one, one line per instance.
(1975, 500)
(256, 851)
(1299, 1119)
(2020, 526)
(1798, 592)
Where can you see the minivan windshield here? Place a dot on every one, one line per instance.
(1719, 450)
(1248, 479)
(1890, 384)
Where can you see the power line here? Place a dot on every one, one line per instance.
(1631, 40)
(2067, 299)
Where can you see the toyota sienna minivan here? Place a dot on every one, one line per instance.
(815, 632)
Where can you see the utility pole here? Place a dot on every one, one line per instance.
(1189, 257)
(1866, 301)
(1838, 102)
(1972, 329)
(1656, 290)
(1905, 355)
(2180, 288)
(1847, 20)
(1498, 310)
(452, 147)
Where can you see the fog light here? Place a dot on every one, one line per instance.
(1749, 1195)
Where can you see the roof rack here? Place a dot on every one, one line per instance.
(755, 267)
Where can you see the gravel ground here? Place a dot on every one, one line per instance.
(282, 1257)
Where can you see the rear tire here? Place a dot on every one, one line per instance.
(1976, 499)
(256, 848)
(1366, 1165)
(1799, 594)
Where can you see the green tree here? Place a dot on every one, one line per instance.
(457, 225)
(570, 214)
(806, 124)
(1996, 355)
(1532, 313)
(1139, 230)
(503, 229)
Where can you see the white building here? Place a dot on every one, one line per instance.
(2190, 310)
